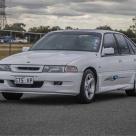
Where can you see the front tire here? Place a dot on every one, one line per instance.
(12, 96)
(88, 87)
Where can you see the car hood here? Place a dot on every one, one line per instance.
(46, 57)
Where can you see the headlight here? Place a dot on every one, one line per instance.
(54, 69)
(60, 69)
(5, 68)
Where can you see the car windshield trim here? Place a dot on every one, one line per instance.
(89, 42)
(60, 50)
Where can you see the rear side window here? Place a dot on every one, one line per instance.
(123, 46)
(110, 42)
(132, 45)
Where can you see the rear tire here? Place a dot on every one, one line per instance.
(88, 87)
(131, 92)
(12, 96)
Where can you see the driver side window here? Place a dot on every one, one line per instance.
(110, 42)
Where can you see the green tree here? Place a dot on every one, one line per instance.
(68, 28)
(44, 29)
(16, 27)
(40, 29)
(133, 27)
(105, 27)
(55, 28)
(128, 33)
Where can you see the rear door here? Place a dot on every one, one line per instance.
(127, 60)
(114, 70)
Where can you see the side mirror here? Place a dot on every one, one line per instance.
(25, 49)
(108, 51)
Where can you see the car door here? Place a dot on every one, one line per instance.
(127, 58)
(132, 47)
(113, 70)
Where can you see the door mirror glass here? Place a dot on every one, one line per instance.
(108, 51)
(25, 49)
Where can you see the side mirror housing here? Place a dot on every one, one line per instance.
(25, 49)
(108, 51)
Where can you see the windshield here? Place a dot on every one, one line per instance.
(69, 41)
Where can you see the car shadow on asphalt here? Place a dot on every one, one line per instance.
(67, 100)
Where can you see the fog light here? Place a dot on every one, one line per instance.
(58, 82)
(1, 81)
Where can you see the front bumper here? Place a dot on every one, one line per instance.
(70, 83)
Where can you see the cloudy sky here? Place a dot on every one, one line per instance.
(76, 13)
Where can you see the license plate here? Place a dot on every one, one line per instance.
(24, 80)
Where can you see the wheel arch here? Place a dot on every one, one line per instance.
(94, 71)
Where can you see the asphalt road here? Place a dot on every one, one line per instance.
(112, 114)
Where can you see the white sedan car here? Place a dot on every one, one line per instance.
(80, 63)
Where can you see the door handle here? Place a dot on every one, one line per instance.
(134, 59)
(120, 61)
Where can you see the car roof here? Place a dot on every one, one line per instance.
(89, 30)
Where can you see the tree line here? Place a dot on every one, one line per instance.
(130, 32)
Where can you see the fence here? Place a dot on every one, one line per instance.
(11, 42)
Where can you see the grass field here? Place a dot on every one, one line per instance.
(15, 48)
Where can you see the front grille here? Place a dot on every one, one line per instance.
(36, 84)
(29, 68)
